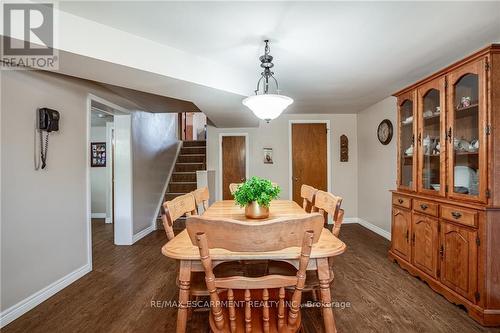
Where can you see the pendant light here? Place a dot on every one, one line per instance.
(264, 105)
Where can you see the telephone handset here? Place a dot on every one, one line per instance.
(48, 121)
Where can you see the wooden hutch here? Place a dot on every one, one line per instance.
(446, 209)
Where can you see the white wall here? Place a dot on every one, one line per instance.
(98, 176)
(275, 135)
(376, 165)
(154, 151)
(44, 217)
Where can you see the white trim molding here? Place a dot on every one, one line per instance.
(370, 226)
(247, 159)
(143, 233)
(328, 148)
(165, 187)
(42, 295)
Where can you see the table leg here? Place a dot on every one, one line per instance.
(326, 297)
(184, 283)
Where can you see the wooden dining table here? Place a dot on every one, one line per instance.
(182, 249)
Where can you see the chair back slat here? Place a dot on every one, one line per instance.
(174, 209)
(281, 308)
(233, 187)
(329, 204)
(201, 197)
(240, 236)
(308, 193)
(248, 312)
(232, 311)
(265, 311)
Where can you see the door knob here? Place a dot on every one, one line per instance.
(296, 179)
(242, 179)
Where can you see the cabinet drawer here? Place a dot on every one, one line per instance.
(402, 201)
(460, 215)
(426, 207)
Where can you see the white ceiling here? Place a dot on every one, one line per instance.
(331, 57)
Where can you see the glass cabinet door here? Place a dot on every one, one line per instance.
(407, 150)
(431, 138)
(467, 132)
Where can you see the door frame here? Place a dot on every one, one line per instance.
(290, 150)
(247, 159)
(125, 186)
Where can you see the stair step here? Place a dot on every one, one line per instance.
(189, 167)
(181, 187)
(179, 225)
(198, 158)
(183, 177)
(193, 150)
(170, 196)
(194, 143)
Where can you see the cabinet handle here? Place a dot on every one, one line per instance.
(420, 139)
(400, 201)
(424, 206)
(456, 215)
(441, 251)
(407, 235)
(413, 238)
(449, 134)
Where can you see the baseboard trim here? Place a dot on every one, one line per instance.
(171, 171)
(17, 310)
(374, 228)
(143, 233)
(98, 215)
(108, 220)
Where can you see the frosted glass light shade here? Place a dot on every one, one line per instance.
(267, 106)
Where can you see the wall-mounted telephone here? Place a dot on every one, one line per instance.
(48, 121)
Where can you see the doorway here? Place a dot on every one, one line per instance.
(309, 156)
(192, 126)
(233, 161)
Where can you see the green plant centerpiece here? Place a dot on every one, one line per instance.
(255, 195)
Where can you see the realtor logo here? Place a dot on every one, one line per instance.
(28, 36)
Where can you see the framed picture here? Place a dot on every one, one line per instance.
(268, 155)
(98, 154)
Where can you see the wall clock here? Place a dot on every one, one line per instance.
(384, 132)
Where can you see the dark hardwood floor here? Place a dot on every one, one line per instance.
(117, 295)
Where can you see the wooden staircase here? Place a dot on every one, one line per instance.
(192, 158)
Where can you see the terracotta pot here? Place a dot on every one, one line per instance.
(255, 211)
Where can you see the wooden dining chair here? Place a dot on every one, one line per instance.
(174, 209)
(233, 187)
(280, 311)
(326, 204)
(201, 197)
(307, 193)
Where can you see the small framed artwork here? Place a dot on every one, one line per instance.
(268, 155)
(98, 154)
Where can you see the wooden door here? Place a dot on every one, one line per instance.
(431, 125)
(233, 163)
(458, 253)
(467, 132)
(400, 236)
(309, 157)
(425, 238)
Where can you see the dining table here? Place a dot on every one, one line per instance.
(182, 249)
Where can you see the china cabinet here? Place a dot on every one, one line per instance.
(446, 208)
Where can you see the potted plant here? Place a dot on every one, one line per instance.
(255, 195)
